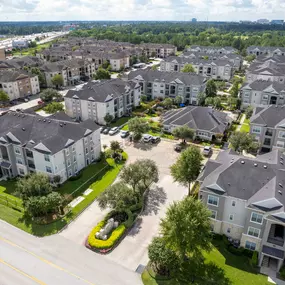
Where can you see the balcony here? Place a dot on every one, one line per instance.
(32, 166)
(276, 235)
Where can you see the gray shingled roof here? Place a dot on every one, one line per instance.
(101, 91)
(47, 134)
(261, 85)
(258, 180)
(150, 75)
(11, 76)
(271, 116)
(198, 118)
(60, 65)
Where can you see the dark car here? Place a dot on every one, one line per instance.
(155, 140)
(102, 129)
(178, 148)
(106, 130)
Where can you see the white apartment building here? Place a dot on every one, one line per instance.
(19, 84)
(95, 99)
(30, 143)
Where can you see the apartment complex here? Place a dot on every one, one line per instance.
(72, 71)
(269, 51)
(267, 124)
(212, 49)
(95, 99)
(205, 121)
(162, 84)
(19, 84)
(20, 63)
(262, 93)
(222, 69)
(30, 143)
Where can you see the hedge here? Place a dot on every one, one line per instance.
(110, 242)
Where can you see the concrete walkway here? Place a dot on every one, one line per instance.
(241, 122)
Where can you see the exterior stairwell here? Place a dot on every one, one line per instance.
(265, 261)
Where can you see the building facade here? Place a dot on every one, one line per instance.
(30, 143)
(245, 198)
(212, 49)
(94, 100)
(269, 51)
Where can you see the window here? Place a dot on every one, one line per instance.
(281, 135)
(253, 232)
(256, 218)
(69, 173)
(228, 230)
(231, 217)
(256, 130)
(75, 168)
(74, 159)
(233, 203)
(214, 214)
(68, 162)
(67, 152)
(91, 148)
(86, 150)
(250, 245)
(280, 144)
(17, 150)
(48, 169)
(213, 200)
(47, 157)
(19, 161)
(21, 171)
(73, 148)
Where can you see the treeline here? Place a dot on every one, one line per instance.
(237, 35)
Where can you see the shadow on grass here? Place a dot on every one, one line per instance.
(156, 196)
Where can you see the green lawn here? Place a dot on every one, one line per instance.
(7, 198)
(31, 51)
(100, 183)
(236, 268)
(245, 127)
(120, 121)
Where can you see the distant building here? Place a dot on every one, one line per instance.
(277, 22)
(194, 20)
(2, 54)
(263, 21)
(20, 43)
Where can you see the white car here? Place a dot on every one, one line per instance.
(113, 131)
(147, 138)
(207, 150)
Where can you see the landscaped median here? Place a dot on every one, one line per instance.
(97, 177)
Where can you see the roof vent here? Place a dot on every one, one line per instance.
(61, 125)
(280, 185)
(39, 120)
(23, 129)
(242, 162)
(44, 120)
(64, 123)
(265, 166)
(255, 165)
(49, 121)
(280, 192)
(18, 115)
(243, 189)
(229, 184)
(281, 157)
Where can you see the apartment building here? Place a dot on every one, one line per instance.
(20, 63)
(72, 71)
(236, 59)
(2, 54)
(19, 84)
(30, 143)
(267, 68)
(212, 49)
(158, 50)
(222, 69)
(269, 51)
(267, 124)
(162, 84)
(20, 43)
(95, 99)
(262, 93)
(205, 121)
(246, 200)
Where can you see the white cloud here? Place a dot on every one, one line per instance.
(141, 9)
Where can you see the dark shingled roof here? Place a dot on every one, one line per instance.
(46, 134)
(13, 75)
(262, 85)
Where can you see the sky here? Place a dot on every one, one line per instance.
(213, 10)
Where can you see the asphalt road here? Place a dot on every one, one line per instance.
(54, 260)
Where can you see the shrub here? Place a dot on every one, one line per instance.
(235, 251)
(247, 252)
(225, 240)
(129, 222)
(254, 259)
(75, 177)
(282, 272)
(217, 236)
(110, 242)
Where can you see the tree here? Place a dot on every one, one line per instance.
(188, 166)
(106, 65)
(102, 74)
(217, 102)
(4, 98)
(232, 102)
(240, 141)
(163, 259)
(143, 98)
(41, 77)
(167, 103)
(115, 147)
(183, 132)
(250, 58)
(234, 90)
(186, 228)
(32, 44)
(201, 99)
(49, 94)
(143, 59)
(117, 197)
(248, 112)
(138, 126)
(188, 68)
(155, 67)
(108, 119)
(140, 174)
(178, 100)
(57, 80)
(53, 107)
(211, 88)
(209, 101)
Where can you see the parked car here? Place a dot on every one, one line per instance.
(102, 129)
(147, 138)
(178, 148)
(26, 99)
(207, 150)
(113, 131)
(106, 130)
(155, 140)
(124, 134)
